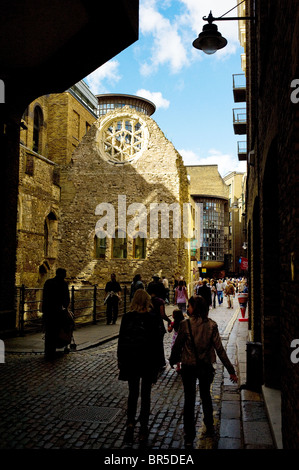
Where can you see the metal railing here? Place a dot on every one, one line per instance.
(239, 81)
(239, 115)
(86, 303)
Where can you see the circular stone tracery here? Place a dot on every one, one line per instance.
(122, 138)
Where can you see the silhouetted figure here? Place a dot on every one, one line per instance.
(113, 291)
(135, 285)
(138, 360)
(56, 299)
(205, 291)
(158, 286)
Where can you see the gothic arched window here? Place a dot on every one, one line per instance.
(37, 127)
(139, 247)
(119, 245)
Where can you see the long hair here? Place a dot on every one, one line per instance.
(178, 316)
(200, 307)
(141, 301)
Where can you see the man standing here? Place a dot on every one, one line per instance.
(205, 292)
(157, 286)
(56, 299)
(219, 287)
(113, 291)
(229, 292)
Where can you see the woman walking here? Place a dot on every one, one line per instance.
(198, 338)
(181, 296)
(138, 360)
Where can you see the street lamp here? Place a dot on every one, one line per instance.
(210, 40)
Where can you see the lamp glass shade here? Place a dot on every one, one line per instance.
(210, 40)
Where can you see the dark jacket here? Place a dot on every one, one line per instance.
(55, 297)
(138, 345)
(205, 292)
(207, 341)
(134, 287)
(157, 288)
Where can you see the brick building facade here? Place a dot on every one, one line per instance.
(52, 127)
(272, 65)
(124, 160)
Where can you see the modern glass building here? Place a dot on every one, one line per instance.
(111, 101)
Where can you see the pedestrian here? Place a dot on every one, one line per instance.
(158, 286)
(197, 286)
(135, 285)
(113, 291)
(166, 285)
(158, 310)
(213, 292)
(205, 292)
(229, 293)
(178, 317)
(56, 300)
(198, 338)
(181, 296)
(138, 360)
(220, 287)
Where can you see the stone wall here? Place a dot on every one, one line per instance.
(205, 180)
(157, 176)
(39, 196)
(69, 121)
(39, 179)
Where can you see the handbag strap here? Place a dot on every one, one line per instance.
(192, 340)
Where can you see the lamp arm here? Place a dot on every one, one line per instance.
(211, 18)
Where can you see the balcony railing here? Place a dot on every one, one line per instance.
(239, 121)
(239, 87)
(242, 150)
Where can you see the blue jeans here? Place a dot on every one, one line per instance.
(220, 296)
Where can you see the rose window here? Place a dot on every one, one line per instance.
(123, 138)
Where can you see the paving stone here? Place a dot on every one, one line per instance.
(38, 394)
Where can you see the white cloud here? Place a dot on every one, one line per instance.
(167, 46)
(225, 162)
(196, 10)
(171, 39)
(155, 96)
(107, 72)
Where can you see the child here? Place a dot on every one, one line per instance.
(178, 316)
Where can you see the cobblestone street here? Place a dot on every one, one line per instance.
(77, 401)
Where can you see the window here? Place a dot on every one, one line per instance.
(100, 246)
(139, 247)
(50, 231)
(119, 245)
(29, 168)
(213, 230)
(37, 128)
(123, 139)
(76, 125)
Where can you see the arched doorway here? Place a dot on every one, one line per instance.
(271, 270)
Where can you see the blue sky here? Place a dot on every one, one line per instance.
(191, 90)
